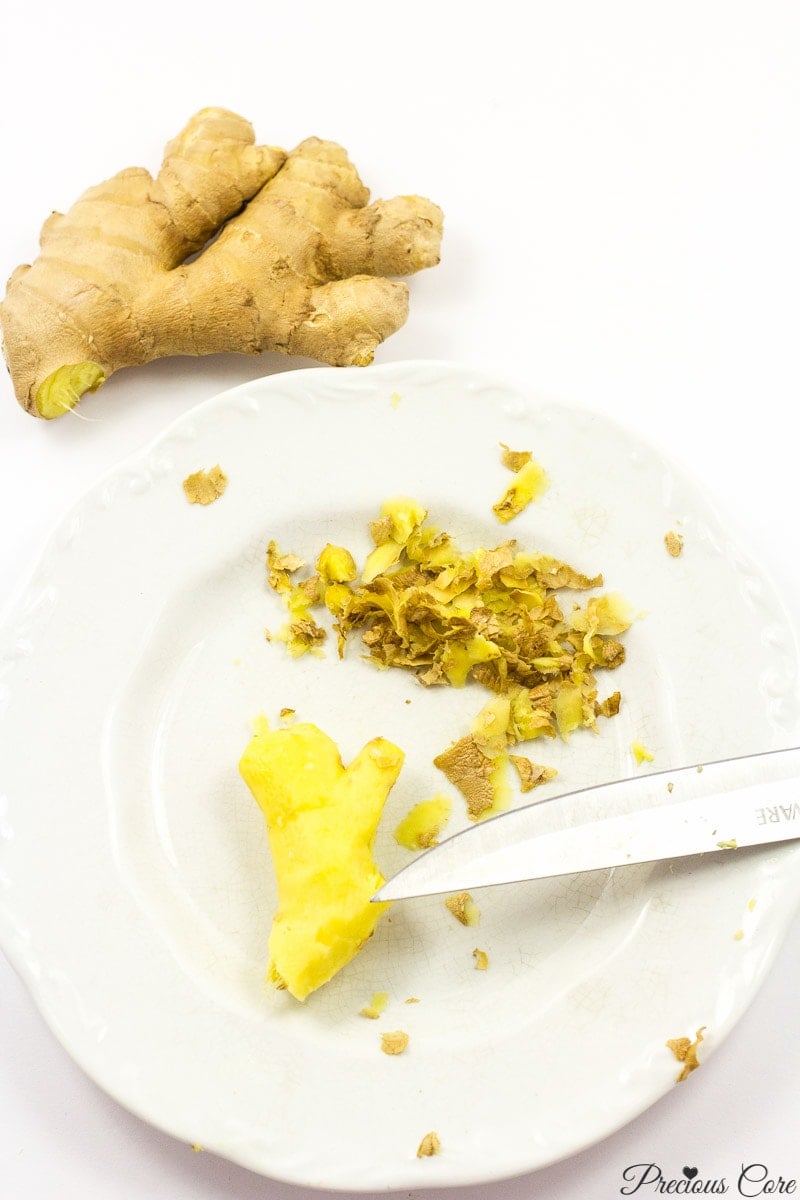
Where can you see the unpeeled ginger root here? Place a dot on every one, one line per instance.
(321, 820)
(299, 265)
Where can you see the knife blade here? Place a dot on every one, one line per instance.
(708, 808)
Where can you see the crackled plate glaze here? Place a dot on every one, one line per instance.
(135, 885)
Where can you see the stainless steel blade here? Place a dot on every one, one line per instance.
(719, 806)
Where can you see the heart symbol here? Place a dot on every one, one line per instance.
(690, 1172)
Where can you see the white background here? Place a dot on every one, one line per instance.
(622, 199)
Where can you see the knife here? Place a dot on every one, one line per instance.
(710, 808)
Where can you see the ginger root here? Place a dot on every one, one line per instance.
(298, 266)
(321, 819)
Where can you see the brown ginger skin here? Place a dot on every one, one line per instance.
(299, 266)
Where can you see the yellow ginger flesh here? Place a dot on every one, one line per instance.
(321, 820)
(529, 483)
(420, 828)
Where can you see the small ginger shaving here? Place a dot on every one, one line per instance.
(480, 778)
(375, 1007)
(515, 460)
(301, 633)
(530, 482)
(685, 1050)
(674, 543)
(204, 487)
(641, 754)
(429, 1146)
(300, 636)
(481, 960)
(395, 1042)
(280, 567)
(420, 828)
(463, 908)
(608, 707)
(531, 774)
(336, 565)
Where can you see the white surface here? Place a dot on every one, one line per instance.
(140, 915)
(621, 194)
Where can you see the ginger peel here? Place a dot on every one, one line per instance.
(299, 265)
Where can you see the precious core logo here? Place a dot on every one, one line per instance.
(754, 1179)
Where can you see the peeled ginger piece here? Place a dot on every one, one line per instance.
(321, 820)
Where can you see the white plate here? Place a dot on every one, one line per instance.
(135, 885)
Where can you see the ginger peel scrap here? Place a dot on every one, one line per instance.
(608, 707)
(530, 483)
(429, 1146)
(395, 1042)
(421, 826)
(531, 774)
(204, 487)
(376, 1006)
(674, 543)
(448, 615)
(479, 777)
(304, 264)
(514, 459)
(685, 1051)
(463, 908)
(301, 633)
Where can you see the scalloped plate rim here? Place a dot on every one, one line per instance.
(12, 613)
